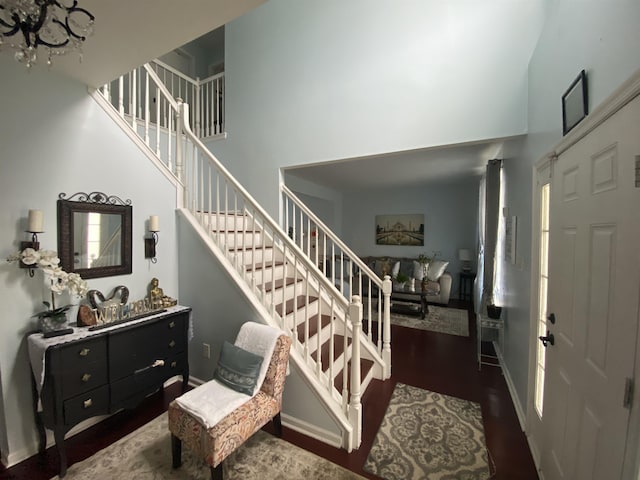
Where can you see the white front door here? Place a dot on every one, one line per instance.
(594, 285)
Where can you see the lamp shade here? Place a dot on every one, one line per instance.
(154, 223)
(464, 254)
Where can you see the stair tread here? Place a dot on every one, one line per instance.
(313, 326)
(254, 247)
(300, 301)
(279, 283)
(258, 266)
(338, 349)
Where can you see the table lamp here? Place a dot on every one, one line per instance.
(464, 255)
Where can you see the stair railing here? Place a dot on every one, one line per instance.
(210, 189)
(207, 189)
(344, 269)
(206, 97)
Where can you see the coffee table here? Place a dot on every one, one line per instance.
(418, 298)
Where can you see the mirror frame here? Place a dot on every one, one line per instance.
(94, 202)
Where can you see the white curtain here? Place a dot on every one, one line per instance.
(479, 283)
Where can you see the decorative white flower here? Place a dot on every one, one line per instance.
(76, 285)
(57, 279)
(30, 256)
(48, 258)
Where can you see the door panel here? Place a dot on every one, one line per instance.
(594, 282)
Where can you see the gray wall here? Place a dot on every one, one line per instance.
(450, 220)
(316, 81)
(55, 138)
(601, 37)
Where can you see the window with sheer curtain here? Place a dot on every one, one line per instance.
(489, 224)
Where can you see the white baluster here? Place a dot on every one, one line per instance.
(355, 406)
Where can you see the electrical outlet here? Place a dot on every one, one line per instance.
(206, 350)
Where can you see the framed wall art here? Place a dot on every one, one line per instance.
(510, 236)
(575, 103)
(407, 229)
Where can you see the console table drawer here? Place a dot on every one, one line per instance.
(136, 349)
(76, 382)
(89, 404)
(75, 356)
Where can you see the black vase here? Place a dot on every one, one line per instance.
(494, 311)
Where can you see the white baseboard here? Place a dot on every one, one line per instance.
(512, 389)
(312, 431)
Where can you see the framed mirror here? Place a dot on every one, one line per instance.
(94, 234)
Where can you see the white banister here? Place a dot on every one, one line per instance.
(344, 269)
(278, 271)
(386, 336)
(355, 405)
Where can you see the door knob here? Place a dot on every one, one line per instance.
(552, 318)
(548, 340)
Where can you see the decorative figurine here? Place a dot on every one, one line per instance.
(157, 297)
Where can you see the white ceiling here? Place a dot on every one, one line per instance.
(130, 33)
(406, 169)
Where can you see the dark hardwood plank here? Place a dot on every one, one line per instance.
(437, 362)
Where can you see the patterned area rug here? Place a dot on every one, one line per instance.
(426, 435)
(439, 319)
(146, 455)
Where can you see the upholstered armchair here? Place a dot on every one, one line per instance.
(214, 419)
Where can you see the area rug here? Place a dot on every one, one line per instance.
(146, 455)
(439, 319)
(429, 436)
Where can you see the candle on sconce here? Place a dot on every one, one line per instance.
(36, 221)
(154, 223)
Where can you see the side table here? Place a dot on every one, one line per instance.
(465, 285)
(484, 322)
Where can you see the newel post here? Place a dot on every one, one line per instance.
(386, 327)
(355, 406)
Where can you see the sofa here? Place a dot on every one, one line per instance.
(438, 279)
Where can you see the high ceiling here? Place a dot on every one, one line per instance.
(402, 169)
(129, 33)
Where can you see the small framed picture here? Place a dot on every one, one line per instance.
(575, 103)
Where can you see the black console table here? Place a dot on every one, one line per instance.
(89, 373)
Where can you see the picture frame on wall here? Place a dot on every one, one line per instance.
(575, 103)
(406, 229)
(510, 237)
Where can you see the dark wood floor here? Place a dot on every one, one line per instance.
(436, 362)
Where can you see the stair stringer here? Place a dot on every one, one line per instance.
(333, 407)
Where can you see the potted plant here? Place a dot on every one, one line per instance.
(400, 280)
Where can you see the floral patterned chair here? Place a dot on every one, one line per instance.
(213, 420)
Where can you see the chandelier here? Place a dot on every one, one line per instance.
(57, 26)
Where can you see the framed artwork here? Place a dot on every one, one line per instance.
(405, 229)
(510, 234)
(575, 103)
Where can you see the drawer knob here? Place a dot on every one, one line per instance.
(172, 324)
(84, 352)
(86, 377)
(87, 403)
(173, 364)
(172, 343)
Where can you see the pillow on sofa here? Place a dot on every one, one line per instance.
(395, 270)
(419, 270)
(436, 269)
(238, 369)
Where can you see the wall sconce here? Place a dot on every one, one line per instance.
(35, 225)
(150, 243)
(464, 255)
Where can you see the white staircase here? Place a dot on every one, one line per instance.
(337, 357)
